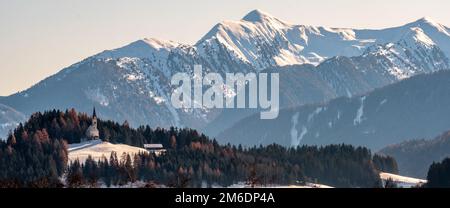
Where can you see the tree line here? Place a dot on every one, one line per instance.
(206, 164)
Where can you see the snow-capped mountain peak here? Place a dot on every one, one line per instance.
(427, 19)
(263, 41)
(427, 22)
(161, 44)
(256, 16)
(144, 48)
(262, 17)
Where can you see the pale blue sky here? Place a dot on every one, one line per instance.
(39, 38)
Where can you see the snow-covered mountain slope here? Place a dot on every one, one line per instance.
(98, 149)
(9, 119)
(414, 53)
(413, 108)
(133, 82)
(384, 64)
(437, 32)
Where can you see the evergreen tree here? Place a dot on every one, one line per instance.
(439, 175)
(75, 176)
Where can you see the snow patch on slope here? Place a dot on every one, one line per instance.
(314, 113)
(360, 112)
(97, 96)
(295, 137)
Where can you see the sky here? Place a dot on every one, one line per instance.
(39, 38)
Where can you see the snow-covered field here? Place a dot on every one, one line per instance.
(307, 185)
(402, 181)
(97, 149)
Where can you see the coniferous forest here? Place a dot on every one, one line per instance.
(439, 174)
(35, 155)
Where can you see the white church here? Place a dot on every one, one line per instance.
(92, 132)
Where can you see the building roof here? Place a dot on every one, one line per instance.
(153, 146)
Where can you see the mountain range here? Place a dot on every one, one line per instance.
(316, 65)
(417, 107)
(378, 66)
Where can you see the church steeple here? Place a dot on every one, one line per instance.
(94, 114)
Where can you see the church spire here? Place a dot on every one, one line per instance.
(94, 114)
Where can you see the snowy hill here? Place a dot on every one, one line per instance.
(97, 149)
(402, 181)
(133, 82)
